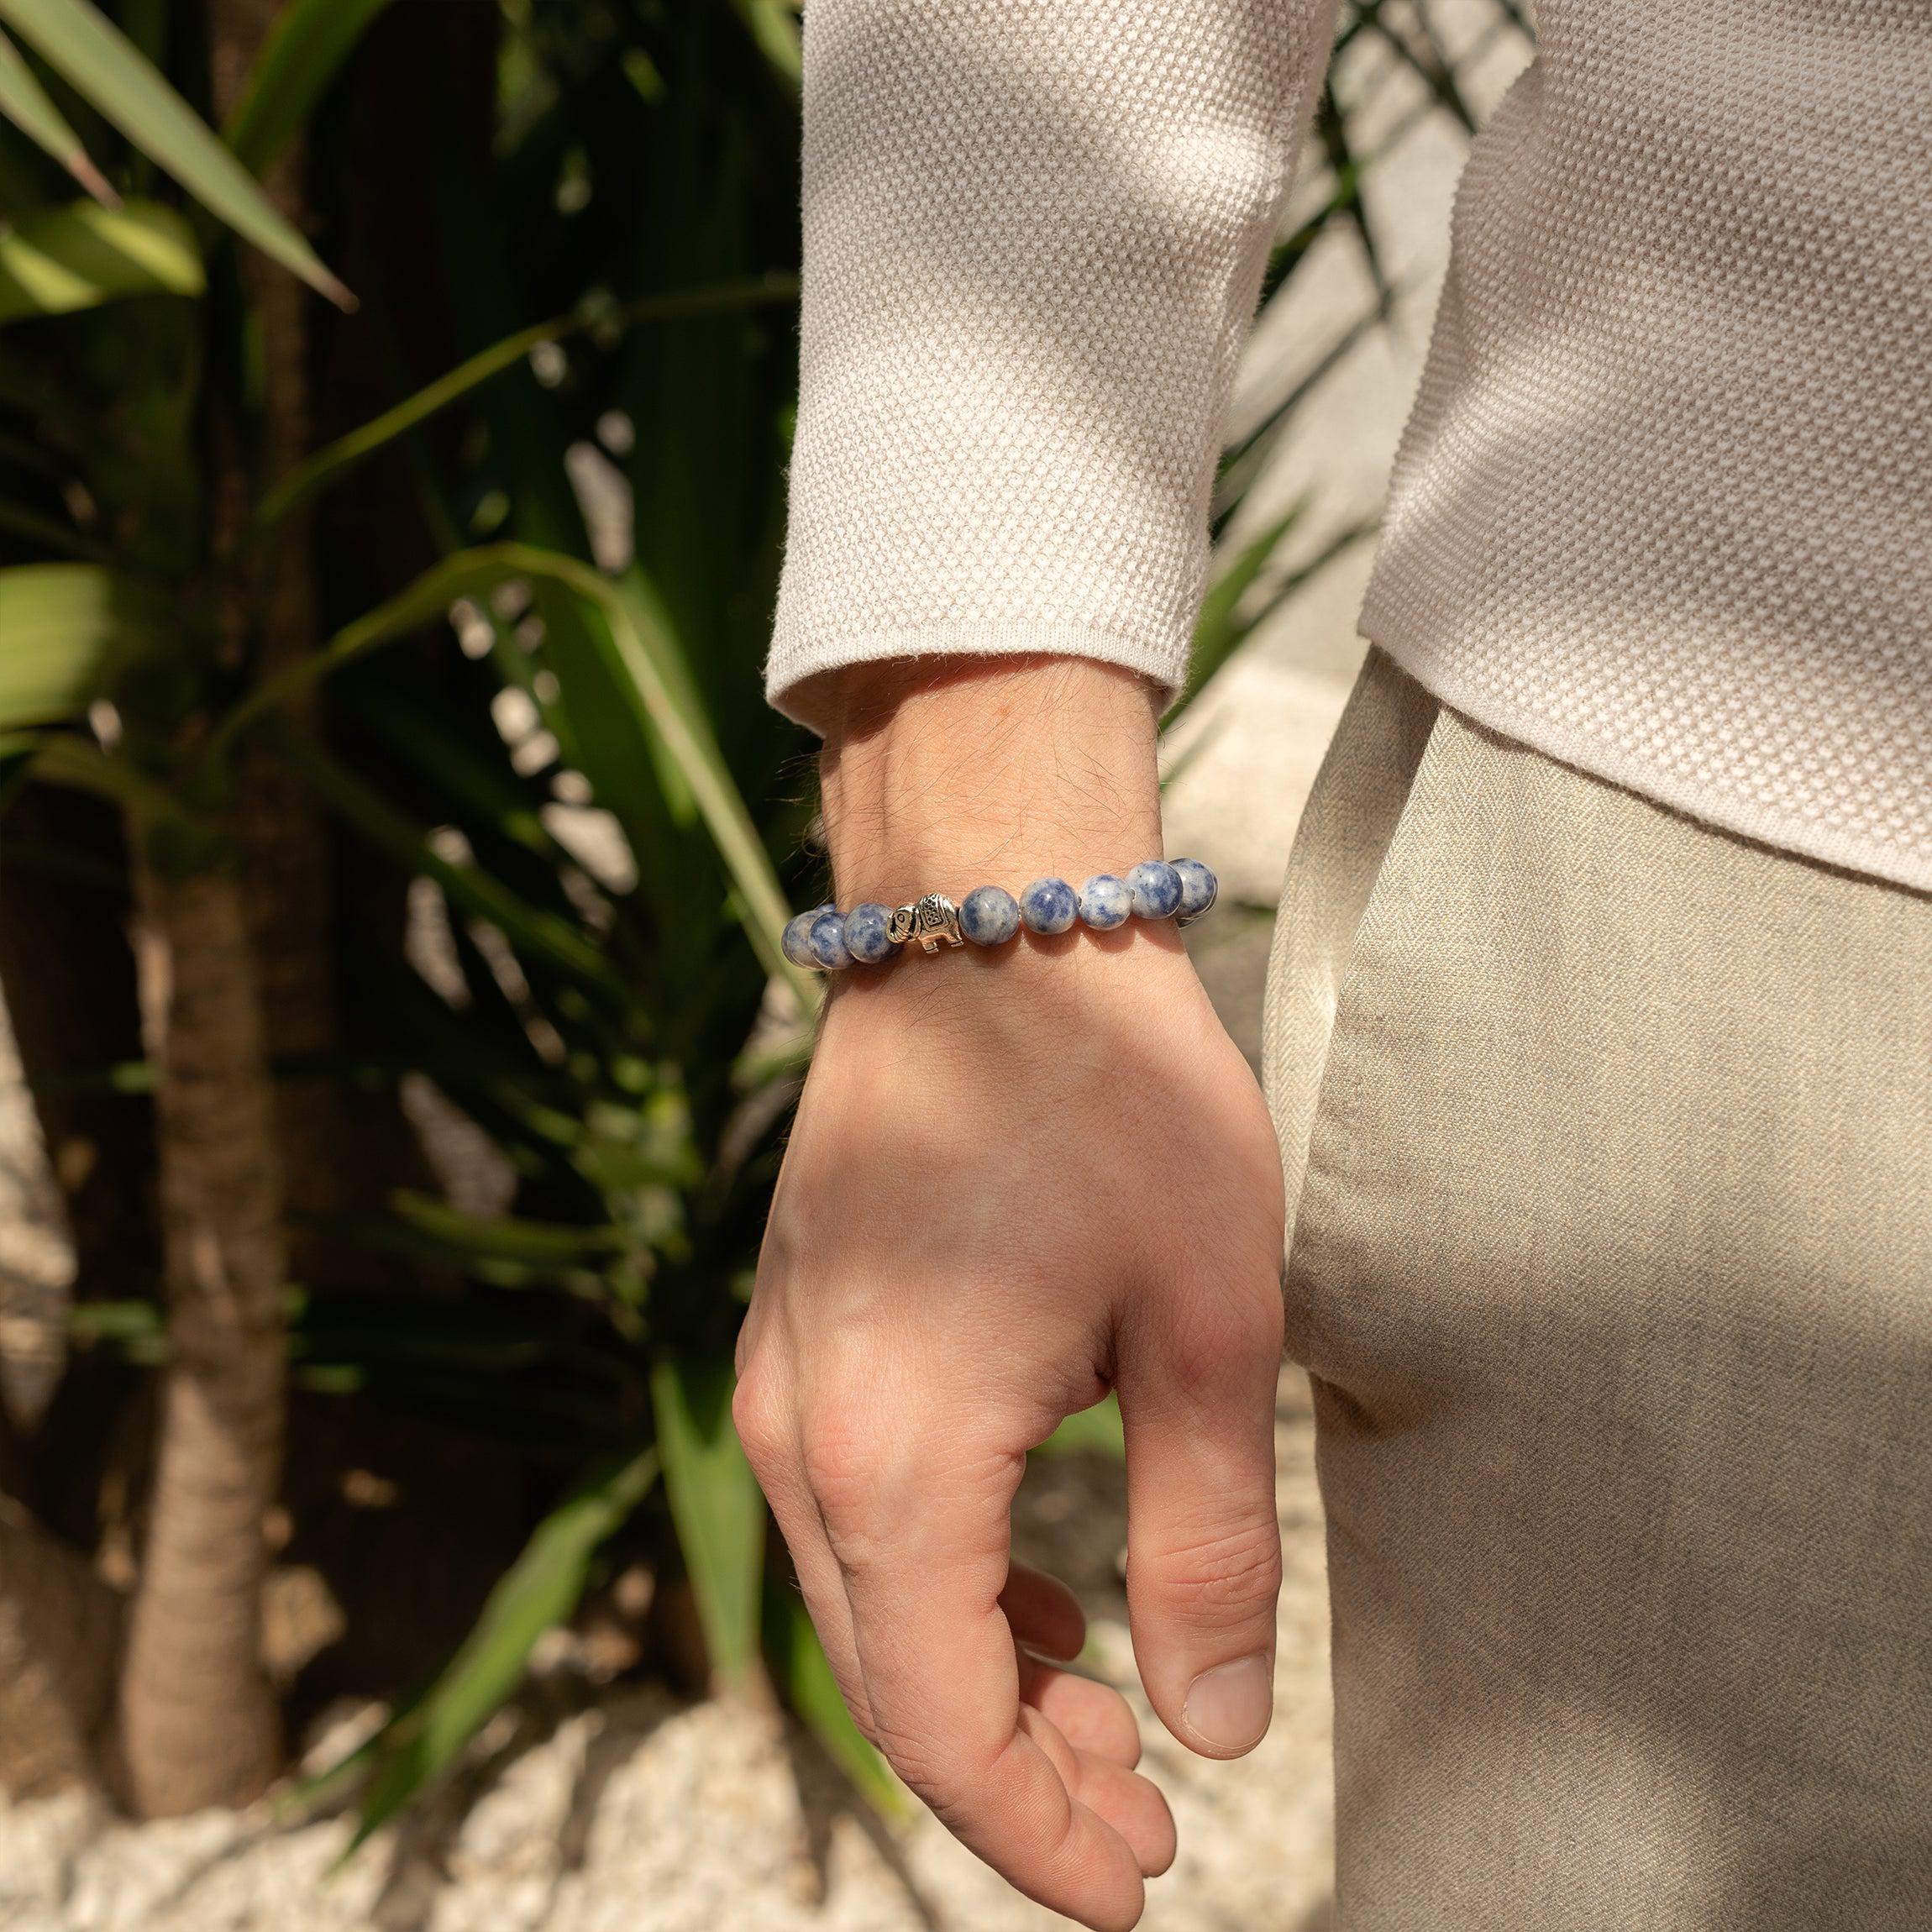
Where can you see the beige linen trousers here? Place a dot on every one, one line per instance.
(1608, 1140)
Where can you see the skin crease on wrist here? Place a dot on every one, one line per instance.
(1016, 1179)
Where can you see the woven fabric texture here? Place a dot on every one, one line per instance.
(1664, 509)
(1034, 234)
(1612, 1263)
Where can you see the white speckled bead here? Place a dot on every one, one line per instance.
(1157, 889)
(989, 916)
(827, 939)
(795, 943)
(1199, 887)
(866, 937)
(1048, 907)
(1106, 902)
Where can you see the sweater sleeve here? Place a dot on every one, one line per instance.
(1034, 234)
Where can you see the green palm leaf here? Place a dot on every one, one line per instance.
(798, 1661)
(539, 1591)
(56, 260)
(774, 25)
(467, 887)
(327, 464)
(311, 41)
(26, 104)
(717, 1508)
(68, 627)
(103, 65)
(650, 682)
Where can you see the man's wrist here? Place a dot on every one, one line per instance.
(942, 774)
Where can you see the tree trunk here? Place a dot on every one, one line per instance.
(338, 1146)
(58, 1628)
(465, 1504)
(198, 1721)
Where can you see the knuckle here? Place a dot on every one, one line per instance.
(843, 1464)
(918, 1761)
(952, 1783)
(1228, 1572)
(757, 1415)
(1220, 1343)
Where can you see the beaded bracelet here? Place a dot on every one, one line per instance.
(990, 915)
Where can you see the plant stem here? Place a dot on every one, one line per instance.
(307, 476)
(198, 1721)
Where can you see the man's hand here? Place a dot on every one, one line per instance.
(1016, 1180)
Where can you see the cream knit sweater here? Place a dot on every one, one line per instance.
(1664, 509)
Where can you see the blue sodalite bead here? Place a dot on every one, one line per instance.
(865, 936)
(1106, 902)
(989, 916)
(796, 942)
(1157, 889)
(1048, 907)
(828, 940)
(1198, 888)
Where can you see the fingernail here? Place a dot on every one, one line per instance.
(1228, 1708)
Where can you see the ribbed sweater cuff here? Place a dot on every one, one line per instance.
(795, 656)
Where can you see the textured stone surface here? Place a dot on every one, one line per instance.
(989, 916)
(1197, 887)
(796, 943)
(1106, 902)
(828, 939)
(1049, 905)
(866, 938)
(1157, 889)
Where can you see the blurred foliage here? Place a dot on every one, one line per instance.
(603, 819)
(539, 1591)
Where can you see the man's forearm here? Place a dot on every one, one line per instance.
(942, 776)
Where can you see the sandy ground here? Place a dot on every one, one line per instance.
(652, 1816)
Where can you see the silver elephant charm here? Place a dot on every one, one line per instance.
(931, 920)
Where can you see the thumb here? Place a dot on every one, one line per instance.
(1197, 1390)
